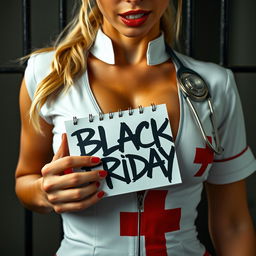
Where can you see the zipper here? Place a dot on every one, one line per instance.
(140, 201)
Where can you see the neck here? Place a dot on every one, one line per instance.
(130, 50)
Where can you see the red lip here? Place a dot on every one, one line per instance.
(134, 22)
(134, 12)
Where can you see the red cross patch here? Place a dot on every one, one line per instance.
(155, 222)
(204, 156)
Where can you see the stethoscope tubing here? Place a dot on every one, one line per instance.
(188, 95)
(218, 149)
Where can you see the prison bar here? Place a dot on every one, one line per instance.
(62, 14)
(224, 32)
(189, 27)
(12, 69)
(26, 40)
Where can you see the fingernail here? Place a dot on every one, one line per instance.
(100, 194)
(97, 184)
(95, 159)
(69, 170)
(103, 174)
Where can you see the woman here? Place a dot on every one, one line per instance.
(112, 56)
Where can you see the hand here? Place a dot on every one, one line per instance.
(74, 191)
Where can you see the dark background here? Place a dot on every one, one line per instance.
(45, 26)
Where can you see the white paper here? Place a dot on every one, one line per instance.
(136, 149)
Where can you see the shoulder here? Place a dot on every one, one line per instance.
(38, 67)
(220, 80)
(41, 64)
(211, 72)
(221, 84)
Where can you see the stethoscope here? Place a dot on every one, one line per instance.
(194, 88)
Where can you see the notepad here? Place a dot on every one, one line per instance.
(136, 148)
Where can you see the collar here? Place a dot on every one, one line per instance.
(103, 49)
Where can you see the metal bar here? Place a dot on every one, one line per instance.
(243, 69)
(26, 17)
(62, 14)
(224, 32)
(28, 233)
(62, 24)
(12, 69)
(189, 28)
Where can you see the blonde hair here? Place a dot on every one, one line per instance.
(74, 42)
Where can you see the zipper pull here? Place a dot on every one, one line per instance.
(140, 198)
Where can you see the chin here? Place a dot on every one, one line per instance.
(134, 32)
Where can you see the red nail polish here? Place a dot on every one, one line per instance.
(95, 159)
(103, 174)
(100, 194)
(69, 170)
(97, 184)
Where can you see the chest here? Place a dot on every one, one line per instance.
(124, 87)
(111, 90)
(193, 156)
(118, 88)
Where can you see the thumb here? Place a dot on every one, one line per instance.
(63, 149)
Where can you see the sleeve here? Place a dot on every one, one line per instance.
(237, 161)
(32, 79)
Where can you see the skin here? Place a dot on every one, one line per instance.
(230, 223)
(40, 183)
(131, 43)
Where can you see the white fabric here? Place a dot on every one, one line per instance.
(96, 231)
(103, 50)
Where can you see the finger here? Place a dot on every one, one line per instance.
(74, 194)
(73, 180)
(81, 205)
(58, 166)
(63, 149)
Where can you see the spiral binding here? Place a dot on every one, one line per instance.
(111, 114)
(120, 113)
(101, 116)
(153, 105)
(130, 111)
(90, 118)
(75, 120)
